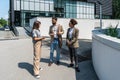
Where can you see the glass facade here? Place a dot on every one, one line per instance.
(106, 8)
(81, 10)
(27, 9)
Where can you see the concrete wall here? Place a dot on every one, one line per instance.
(106, 56)
(85, 26)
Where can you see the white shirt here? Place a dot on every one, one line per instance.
(71, 32)
(36, 33)
(55, 30)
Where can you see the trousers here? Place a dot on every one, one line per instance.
(73, 55)
(54, 46)
(36, 57)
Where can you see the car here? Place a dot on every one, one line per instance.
(6, 28)
(1, 28)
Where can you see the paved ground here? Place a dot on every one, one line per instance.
(9, 35)
(16, 57)
(16, 60)
(6, 35)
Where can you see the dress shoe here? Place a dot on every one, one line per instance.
(58, 62)
(77, 69)
(50, 64)
(70, 65)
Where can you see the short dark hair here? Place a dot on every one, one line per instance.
(54, 18)
(73, 21)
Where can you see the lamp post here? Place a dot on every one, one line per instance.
(11, 14)
(100, 13)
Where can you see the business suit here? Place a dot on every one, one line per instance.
(60, 29)
(73, 47)
(74, 38)
(56, 42)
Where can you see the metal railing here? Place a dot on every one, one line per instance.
(15, 31)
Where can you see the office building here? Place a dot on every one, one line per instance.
(106, 8)
(27, 9)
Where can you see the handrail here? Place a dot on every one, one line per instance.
(15, 31)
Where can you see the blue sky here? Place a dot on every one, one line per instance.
(4, 8)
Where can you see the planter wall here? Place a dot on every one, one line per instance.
(106, 56)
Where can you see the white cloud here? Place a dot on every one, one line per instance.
(5, 17)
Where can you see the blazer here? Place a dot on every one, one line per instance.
(74, 39)
(60, 28)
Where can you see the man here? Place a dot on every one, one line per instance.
(55, 32)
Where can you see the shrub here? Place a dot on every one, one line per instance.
(111, 31)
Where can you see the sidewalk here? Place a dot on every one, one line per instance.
(7, 35)
(16, 60)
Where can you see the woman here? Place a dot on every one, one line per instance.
(72, 43)
(37, 42)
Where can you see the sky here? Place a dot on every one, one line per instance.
(4, 8)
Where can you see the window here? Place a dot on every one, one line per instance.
(31, 6)
(37, 7)
(26, 5)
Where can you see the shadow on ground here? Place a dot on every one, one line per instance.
(85, 59)
(86, 71)
(84, 49)
(45, 60)
(86, 68)
(27, 66)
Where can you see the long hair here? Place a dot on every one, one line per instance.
(36, 25)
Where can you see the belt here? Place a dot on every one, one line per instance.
(55, 38)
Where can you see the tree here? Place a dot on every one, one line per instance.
(116, 9)
(0, 25)
(3, 22)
